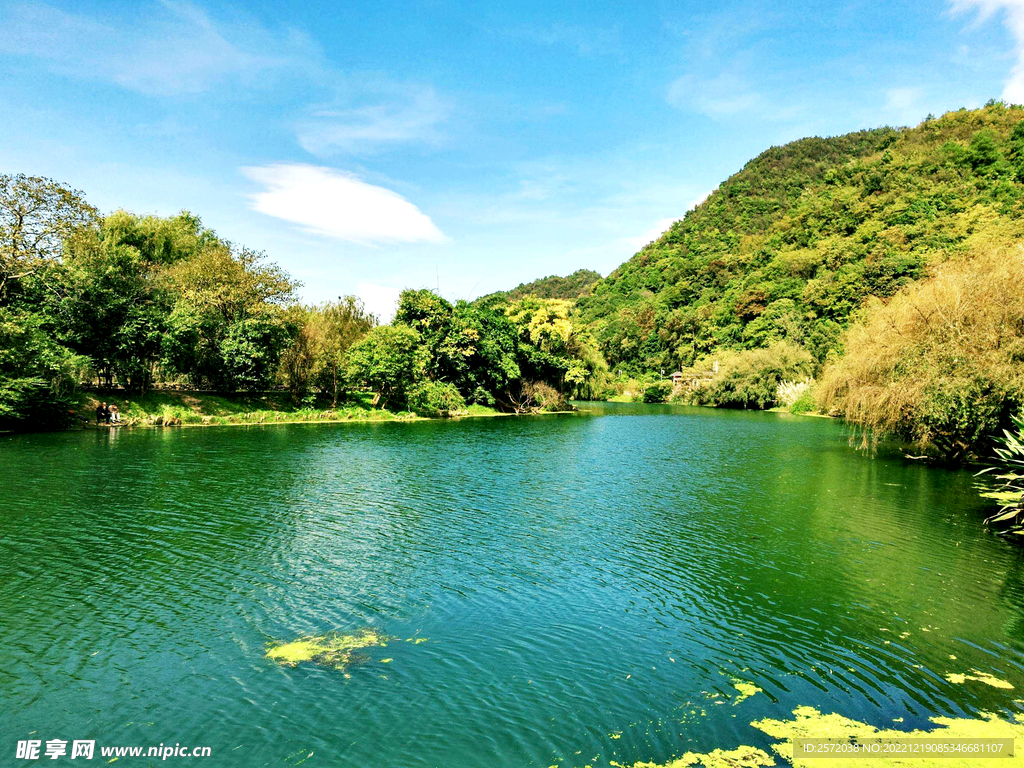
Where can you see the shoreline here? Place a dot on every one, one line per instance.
(185, 408)
(394, 418)
(190, 408)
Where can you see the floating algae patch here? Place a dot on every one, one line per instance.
(809, 723)
(741, 757)
(979, 677)
(331, 650)
(746, 690)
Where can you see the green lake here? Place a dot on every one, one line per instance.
(584, 588)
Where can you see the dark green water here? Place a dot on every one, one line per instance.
(576, 577)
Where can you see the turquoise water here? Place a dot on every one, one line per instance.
(587, 587)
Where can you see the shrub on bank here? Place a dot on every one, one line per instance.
(545, 397)
(436, 398)
(657, 392)
(942, 363)
(751, 378)
(805, 403)
(788, 392)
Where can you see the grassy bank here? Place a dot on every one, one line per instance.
(172, 408)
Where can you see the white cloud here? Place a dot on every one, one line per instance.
(173, 48)
(339, 205)
(381, 300)
(1013, 17)
(720, 96)
(179, 49)
(394, 114)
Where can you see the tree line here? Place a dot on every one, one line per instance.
(147, 301)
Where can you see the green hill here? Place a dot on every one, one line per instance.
(789, 248)
(573, 286)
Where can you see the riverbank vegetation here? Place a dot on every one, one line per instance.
(170, 408)
(941, 363)
(144, 302)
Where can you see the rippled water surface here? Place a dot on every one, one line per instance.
(588, 587)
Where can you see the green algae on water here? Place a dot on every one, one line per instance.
(741, 757)
(809, 723)
(746, 690)
(331, 650)
(978, 677)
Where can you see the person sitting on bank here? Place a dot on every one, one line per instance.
(101, 413)
(115, 414)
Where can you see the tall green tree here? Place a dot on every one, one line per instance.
(38, 373)
(37, 216)
(389, 360)
(115, 310)
(228, 326)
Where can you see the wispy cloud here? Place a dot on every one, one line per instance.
(584, 40)
(1012, 12)
(179, 49)
(174, 48)
(339, 205)
(722, 95)
(384, 114)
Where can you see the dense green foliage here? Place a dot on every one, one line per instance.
(751, 378)
(390, 360)
(657, 392)
(318, 356)
(579, 283)
(437, 356)
(139, 300)
(1008, 477)
(790, 247)
(37, 375)
(436, 398)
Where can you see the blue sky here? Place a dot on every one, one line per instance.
(371, 146)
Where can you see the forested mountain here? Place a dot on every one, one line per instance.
(789, 247)
(579, 283)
